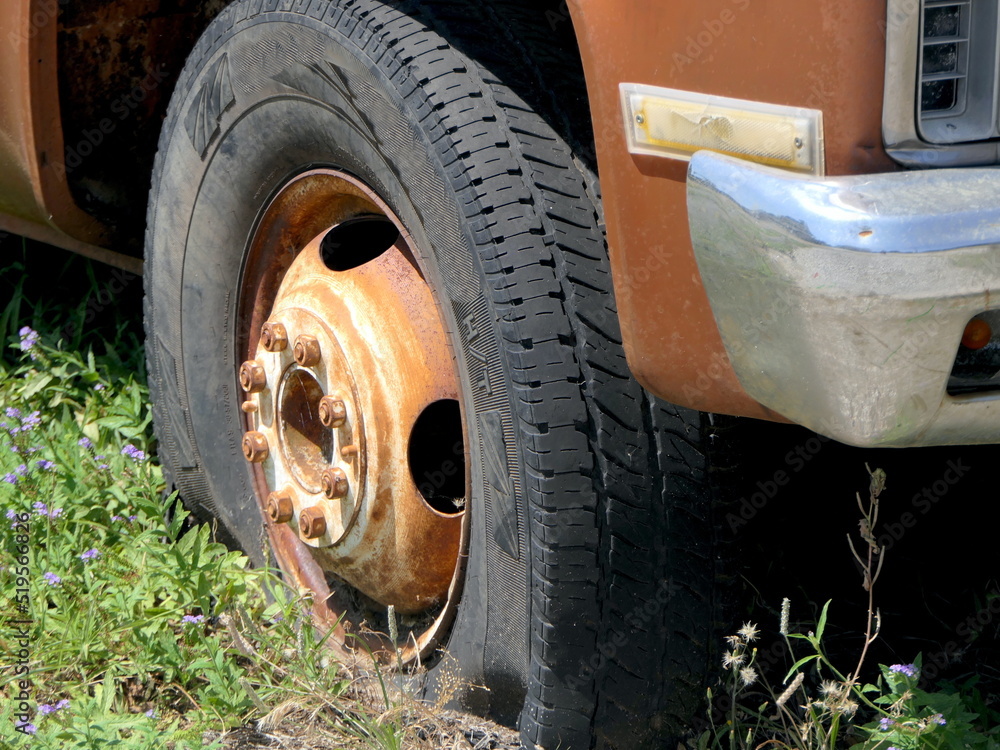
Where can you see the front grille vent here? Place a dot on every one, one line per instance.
(958, 71)
(945, 57)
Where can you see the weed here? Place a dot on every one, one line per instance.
(818, 707)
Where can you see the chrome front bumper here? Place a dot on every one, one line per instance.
(841, 302)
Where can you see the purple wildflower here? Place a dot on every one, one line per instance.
(26, 727)
(30, 422)
(192, 619)
(45, 465)
(91, 554)
(12, 413)
(910, 670)
(938, 719)
(10, 478)
(132, 518)
(14, 448)
(42, 509)
(52, 579)
(45, 709)
(84, 442)
(151, 713)
(29, 338)
(885, 723)
(99, 387)
(117, 518)
(11, 514)
(134, 453)
(21, 470)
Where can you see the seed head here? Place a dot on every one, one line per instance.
(731, 660)
(790, 690)
(748, 675)
(786, 607)
(749, 632)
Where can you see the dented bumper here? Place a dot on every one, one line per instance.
(842, 301)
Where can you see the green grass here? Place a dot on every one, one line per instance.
(142, 632)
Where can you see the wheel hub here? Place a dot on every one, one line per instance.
(348, 358)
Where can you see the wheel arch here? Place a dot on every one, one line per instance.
(117, 64)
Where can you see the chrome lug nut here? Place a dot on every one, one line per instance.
(312, 523)
(274, 337)
(279, 507)
(332, 412)
(306, 350)
(255, 448)
(334, 483)
(253, 379)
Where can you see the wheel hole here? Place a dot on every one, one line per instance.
(357, 241)
(437, 456)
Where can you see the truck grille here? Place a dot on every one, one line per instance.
(945, 57)
(958, 71)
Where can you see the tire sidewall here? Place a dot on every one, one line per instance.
(326, 105)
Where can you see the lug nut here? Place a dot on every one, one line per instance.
(334, 483)
(255, 447)
(253, 379)
(279, 507)
(274, 337)
(312, 523)
(306, 350)
(332, 412)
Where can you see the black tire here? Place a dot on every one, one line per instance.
(589, 601)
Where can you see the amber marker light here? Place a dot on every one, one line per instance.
(977, 334)
(675, 124)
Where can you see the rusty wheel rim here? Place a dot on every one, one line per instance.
(343, 350)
